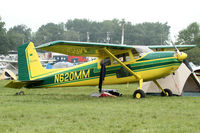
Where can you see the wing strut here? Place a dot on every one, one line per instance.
(124, 66)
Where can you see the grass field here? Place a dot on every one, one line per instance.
(71, 110)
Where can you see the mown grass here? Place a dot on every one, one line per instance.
(72, 110)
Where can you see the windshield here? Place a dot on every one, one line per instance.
(140, 51)
(143, 49)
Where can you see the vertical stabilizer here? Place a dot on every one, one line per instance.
(29, 65)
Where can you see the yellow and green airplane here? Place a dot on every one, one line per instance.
(115, 64)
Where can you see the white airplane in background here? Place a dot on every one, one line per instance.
(1, 67)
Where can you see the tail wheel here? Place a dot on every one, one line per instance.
(139, 94)
(168, 92)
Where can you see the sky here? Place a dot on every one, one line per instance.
(35, 13)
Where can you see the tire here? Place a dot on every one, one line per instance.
(168, 91)
(139, 94)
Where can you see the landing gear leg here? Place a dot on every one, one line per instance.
(139, 93)
(165, 92)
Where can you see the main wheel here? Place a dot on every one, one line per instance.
(139, 94)
(168, 92)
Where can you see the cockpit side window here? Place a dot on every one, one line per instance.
(122, 57)
(135, 54)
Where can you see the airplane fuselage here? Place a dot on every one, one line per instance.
(153, 65)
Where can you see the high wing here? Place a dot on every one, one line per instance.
(83, 48)
(171, 47)
(90, 49)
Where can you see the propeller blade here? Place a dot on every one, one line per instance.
(177, 51)
(188, 65)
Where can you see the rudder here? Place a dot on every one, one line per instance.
(29, 66)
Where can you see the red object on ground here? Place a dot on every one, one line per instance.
(105, 94)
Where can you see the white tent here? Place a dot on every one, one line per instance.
(182, 80)
(7, 75)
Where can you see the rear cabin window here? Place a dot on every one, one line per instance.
(122, 57)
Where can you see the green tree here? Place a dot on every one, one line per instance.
(71, 36)
(4, 44)
(191, 35)
(140, 34)
(106, 31)
(114, 28)
(82, 26)
(47, 33)
(18, 35)
(193, 55)
(149, 33)
(52, 32)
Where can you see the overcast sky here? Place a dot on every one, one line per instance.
(34, 13)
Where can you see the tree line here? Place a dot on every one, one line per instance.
(108, 31)
(191, 35)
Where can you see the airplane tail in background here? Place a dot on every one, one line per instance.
(29, 66)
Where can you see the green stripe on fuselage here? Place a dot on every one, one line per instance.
(136, 67)
(157, 55)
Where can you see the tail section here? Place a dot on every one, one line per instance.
(29, 66)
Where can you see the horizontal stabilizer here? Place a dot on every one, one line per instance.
(19, 84)
(15, 84)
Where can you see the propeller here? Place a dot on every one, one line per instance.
(188, 65)
(177, 51)
(185, 61)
